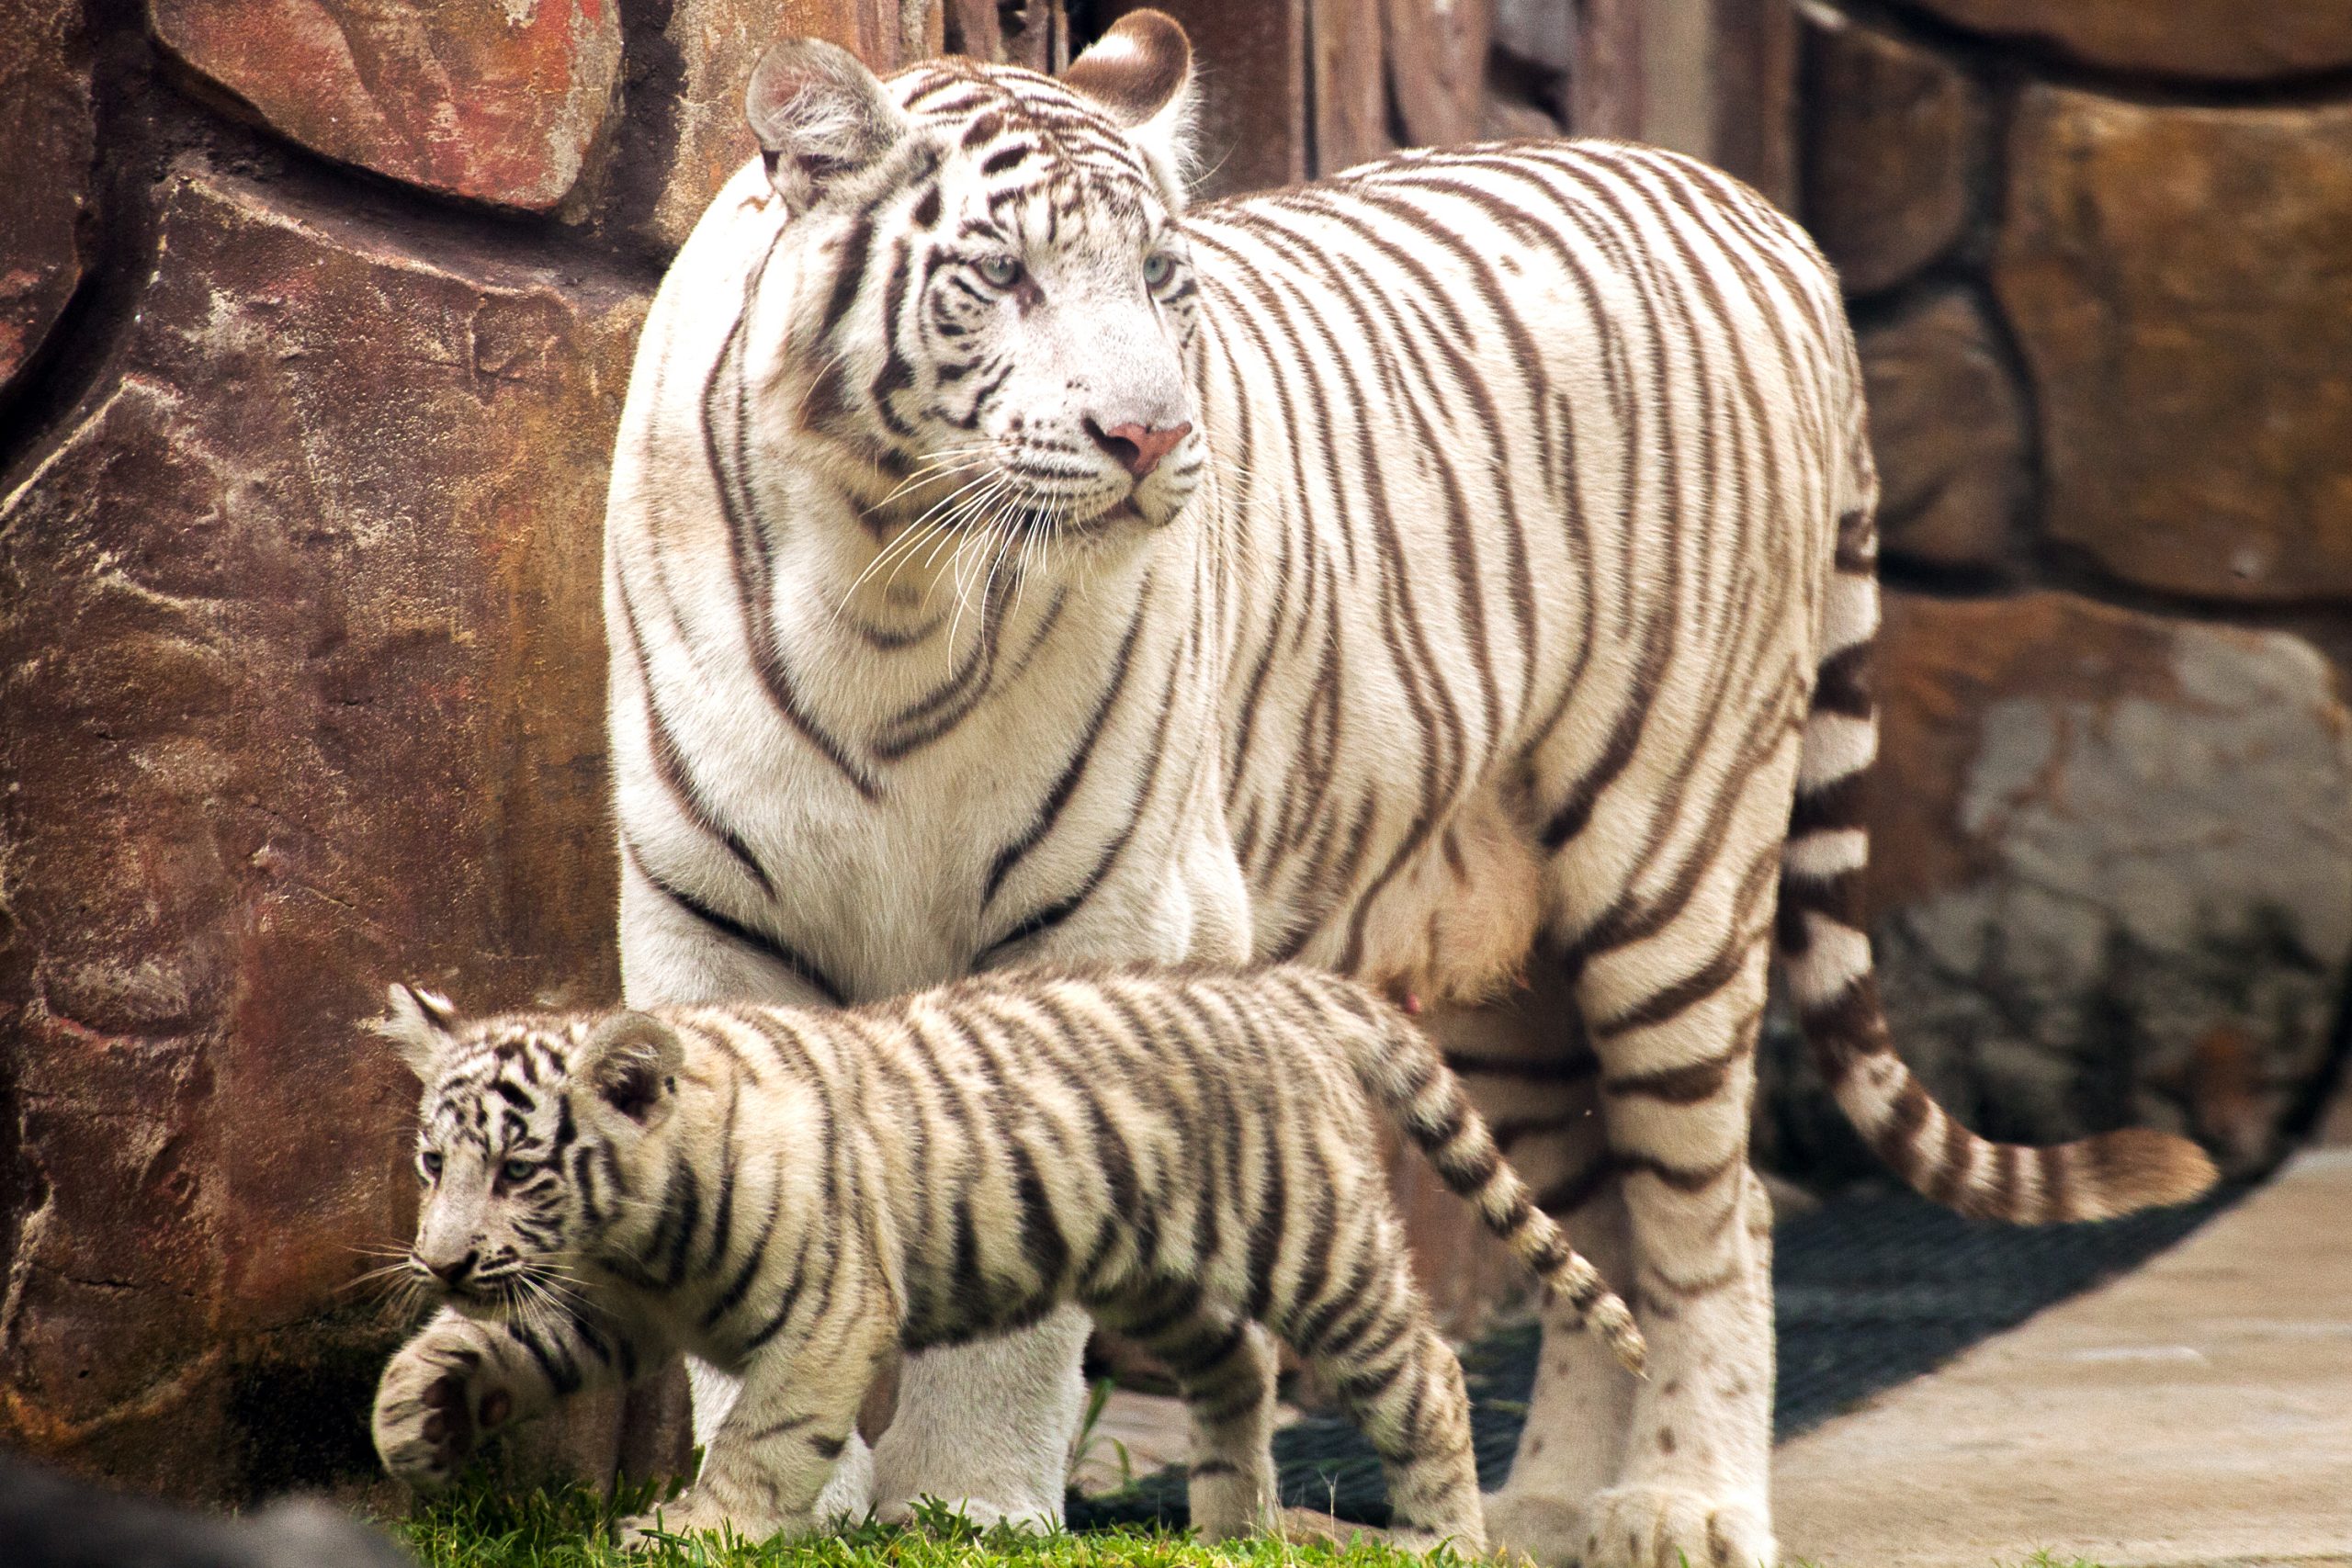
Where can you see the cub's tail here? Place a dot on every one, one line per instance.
(1823, 940)
(1401, 1070)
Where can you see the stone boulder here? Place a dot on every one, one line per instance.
(494, 100)
(301, 690)
(2177, 278)
(2112, 860)
(46, 144)
(1947, 433)
(2227, 41)
(1893, 136)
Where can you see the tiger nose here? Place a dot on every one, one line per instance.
(1138, 448)
(450, 1273)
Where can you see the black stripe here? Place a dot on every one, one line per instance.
(802, 967)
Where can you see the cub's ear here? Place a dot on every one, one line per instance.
(818, 114)
(632, 1059)
(420, 1023)
(1142, 72)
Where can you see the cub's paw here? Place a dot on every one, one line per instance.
(693, 1515)
(1669, 1527)
(1029, 1516)
(431, 1412)
(1531, 1527)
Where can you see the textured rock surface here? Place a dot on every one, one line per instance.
(1889, 151)
(46, 144)
(300, 690)
(497, 100)
(1949, 434)
(2112, 857)
(2217, 40)
(1349, 66)
(1437, 65)
(2177, 278)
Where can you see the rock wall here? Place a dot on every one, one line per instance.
(2095, 253)
(315, 323)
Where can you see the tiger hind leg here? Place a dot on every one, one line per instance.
(1678, 1077)
(1225, 1365)
(1525, 1062)
(1379, 1353)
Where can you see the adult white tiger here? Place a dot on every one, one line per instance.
(1457, 566)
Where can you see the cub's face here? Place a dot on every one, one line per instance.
(998, 303)
(525, 1127)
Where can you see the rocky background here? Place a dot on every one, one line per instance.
(315, 321)
(2096, 252)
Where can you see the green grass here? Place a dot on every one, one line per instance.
(482, 1527)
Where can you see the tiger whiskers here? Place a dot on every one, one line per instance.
(929, 524)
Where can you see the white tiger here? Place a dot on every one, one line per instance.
(1185, 1154)
(1456, 569)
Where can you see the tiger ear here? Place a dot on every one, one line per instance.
(1142, 72)
(631, 1060)
(423, 1024)
(818, 114)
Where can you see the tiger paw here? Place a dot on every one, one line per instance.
(693, 1515)
(432, 1410)
(1671, 1526)
(1526, 1526)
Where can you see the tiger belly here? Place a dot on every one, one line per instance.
(1458, 920)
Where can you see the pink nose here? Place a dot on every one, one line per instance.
(1137, 449)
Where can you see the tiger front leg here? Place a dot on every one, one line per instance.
(771, 1458)
(460, 1381)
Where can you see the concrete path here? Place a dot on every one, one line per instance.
(2198, 1411)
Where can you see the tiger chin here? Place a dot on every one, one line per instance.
(1189, 1155)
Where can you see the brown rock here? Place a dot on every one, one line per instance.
(718, 42)
(1947, 432)
(2112, 860)
(1508, 119)
(1350, 84)
(46, 144)
(2211, 39)
(1893, 134)
(1437, 66)
(495, 100)
(2177, 278)
(302, 692)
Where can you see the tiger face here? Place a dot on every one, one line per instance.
(995, 301)
(528, 1135)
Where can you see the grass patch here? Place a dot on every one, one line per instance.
(483, 1528)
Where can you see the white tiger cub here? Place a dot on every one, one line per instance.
(1456, 569)
(1186, 1155)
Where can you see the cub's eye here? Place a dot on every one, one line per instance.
(516, 1170)
(1157, 267)
(1001, 272)
(430, 1164)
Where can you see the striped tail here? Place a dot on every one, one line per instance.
(1399, 1068)
(1822, 937)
